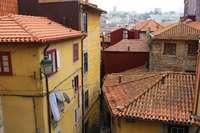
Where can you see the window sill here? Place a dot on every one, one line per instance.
(6, 74)
(164, 55)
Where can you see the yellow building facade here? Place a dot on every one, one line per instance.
(91, 78)
(23, 91)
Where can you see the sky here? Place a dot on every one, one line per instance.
(140, 6)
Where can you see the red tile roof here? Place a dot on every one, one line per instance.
(130, 45)
(20, 28)
(162, 96)
(151, 25)
(179, 31)
(8, 6)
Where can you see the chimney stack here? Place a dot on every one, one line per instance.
(120, 79)
(129, 48)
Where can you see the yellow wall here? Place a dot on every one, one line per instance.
(65, 74)
(19, 113)
(138, 126)
(92, 46)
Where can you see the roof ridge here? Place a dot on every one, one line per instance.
(137, 97)
(23, 27)
(165, 29)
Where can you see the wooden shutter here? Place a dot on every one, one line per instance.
(75, 52)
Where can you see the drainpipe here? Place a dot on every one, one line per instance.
(82, 84)
(47, 91)
(197, 81)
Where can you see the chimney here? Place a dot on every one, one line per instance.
(163, 80)
(120, 79)
(129, 48)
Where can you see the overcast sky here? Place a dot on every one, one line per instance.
(141, 5)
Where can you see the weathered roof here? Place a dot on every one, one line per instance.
(162, 96)
(20, 28)
(147, 25)
(179, 31)
(8, 6)
(93, 7)
(130, 45)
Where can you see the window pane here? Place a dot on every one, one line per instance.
(6, 69)
(85, 62)
(5, 58)
(5, 63)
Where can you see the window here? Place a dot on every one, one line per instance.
(5, 63)
(75, 83)
(169, 49)
(85, 58)
(178, 129)
(86, 100)
(52, 55)
(75, 52)
(125, 34)
(77, 114)
(85, 22)
(192, 49)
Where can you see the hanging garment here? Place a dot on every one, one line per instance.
(54, 107)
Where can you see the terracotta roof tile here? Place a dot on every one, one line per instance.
(130, 45)
(148, 24)
(20, 28)
(182, 31)
(162, 96)
(8, 6)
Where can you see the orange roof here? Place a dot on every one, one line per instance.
(8, 6)
(162, 96)
(130, 45)
(20, 28)
(151, 25)
(179, 31)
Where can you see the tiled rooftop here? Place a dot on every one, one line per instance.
(161, 96)
(8, 6)
(130, 45)
(20, 28)
(182, 31)
(151, 25)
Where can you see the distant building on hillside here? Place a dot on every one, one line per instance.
(192, 8)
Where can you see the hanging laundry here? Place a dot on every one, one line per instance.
(54, 107)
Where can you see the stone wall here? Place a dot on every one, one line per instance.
(179, 62)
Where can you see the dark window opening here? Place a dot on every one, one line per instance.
(192, 49)
(5, 63)
(169, 49)
(85, 58)
(85, 22)
(177, 129)
(86, 100)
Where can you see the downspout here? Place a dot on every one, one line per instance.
(197, 82)
(35, 116)
(82, 83)
(47, 91)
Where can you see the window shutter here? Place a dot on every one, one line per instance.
(58, 59)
